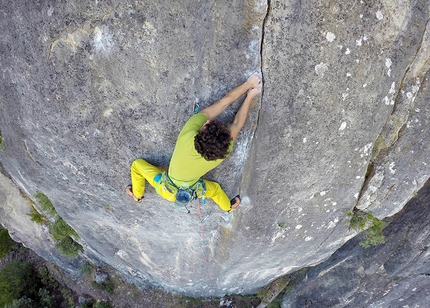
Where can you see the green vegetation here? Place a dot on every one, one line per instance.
(94, 304)
(6, 243)
(60, 230)
(45, 203)
(46, 279)
(2, 145)
(272, 294)
(89, 270)
(296, 278)
(37, 217)
(370, 225)
(63, 233)
(107, 286)
(68, 247)
(23, 302)
(67, 295)
(22, 286)
(16, 280)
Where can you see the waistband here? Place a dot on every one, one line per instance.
(182, 183)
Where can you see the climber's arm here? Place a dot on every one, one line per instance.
(242, 114)
(217, 108)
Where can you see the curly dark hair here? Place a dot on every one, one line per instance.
(213, 140)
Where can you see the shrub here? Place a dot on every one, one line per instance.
(276, 303)
(357, 220)
(107, 286)
(373, 236)
(102, 305)
(371, 225)
(45, 203)
(6, 243)
(46, 278)
(67, 295)
(68, 247)
(45, 299)
(16, 280)
(63, 233)
(87, 268)
(60, 229)
(23, 302)
(37, 217)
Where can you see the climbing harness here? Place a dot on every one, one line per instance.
(184, 195)
(184, 192)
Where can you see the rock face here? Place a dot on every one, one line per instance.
(395, 274)
(89, 86)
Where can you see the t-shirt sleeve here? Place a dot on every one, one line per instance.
(194, 124)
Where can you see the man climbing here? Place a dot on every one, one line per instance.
(202, 144)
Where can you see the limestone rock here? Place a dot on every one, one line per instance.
(89, 86)
(84, 298)
(100, 276)
(394, 274)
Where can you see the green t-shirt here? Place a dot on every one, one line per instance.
(186, 164)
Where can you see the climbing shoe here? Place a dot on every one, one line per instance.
(129, 191)
(234, 203)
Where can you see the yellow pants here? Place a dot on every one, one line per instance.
(141, 170)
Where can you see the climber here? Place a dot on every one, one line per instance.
(202, 144)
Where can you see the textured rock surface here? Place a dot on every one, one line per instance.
(87, 87)
(395, 274)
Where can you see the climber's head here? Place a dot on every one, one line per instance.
(213, 140)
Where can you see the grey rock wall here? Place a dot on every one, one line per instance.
(395, 274)
(87, 87)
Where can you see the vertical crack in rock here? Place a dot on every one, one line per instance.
(244, 183)
(401, 109)
(268, 8)
(398, 119)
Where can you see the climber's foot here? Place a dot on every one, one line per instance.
(130, 193)
(234, 203)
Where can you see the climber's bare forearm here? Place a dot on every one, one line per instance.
(217, 108)
(240, 118)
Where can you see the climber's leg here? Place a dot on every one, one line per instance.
(141, 170)
(215, 192)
